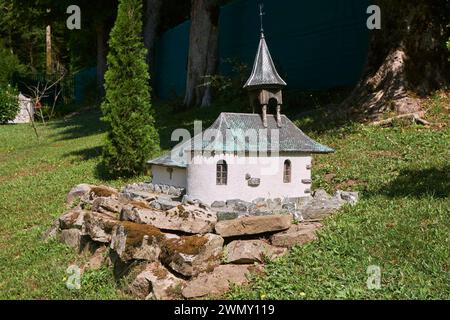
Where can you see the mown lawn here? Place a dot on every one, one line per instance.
(401, 223)
(35, 177)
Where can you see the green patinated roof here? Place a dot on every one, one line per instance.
(228, 134)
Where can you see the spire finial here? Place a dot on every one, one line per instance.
(261, 14)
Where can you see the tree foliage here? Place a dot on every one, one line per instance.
(9, 103)
(132, 137)
(448, 42)
(9, 64)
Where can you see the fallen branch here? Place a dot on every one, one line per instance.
(416, 117)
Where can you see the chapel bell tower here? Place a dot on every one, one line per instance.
(265, 84)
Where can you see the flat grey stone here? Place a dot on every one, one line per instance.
(243, 206)
(218, 204)
(187, 200)
(227, 215)
(252, 251)
(185, 218)
(165, 204)
(232, 202)
(253, 225)
(174, 191)
(72, 238)
(260, 202)
(77, 192)
(218, 282)
(349, 197)
(156, 283)
(299, 234)
(193, 255)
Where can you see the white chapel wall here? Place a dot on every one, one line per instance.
(201, 177)
(161, 175)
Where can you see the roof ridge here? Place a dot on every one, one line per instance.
(224, 119)
(248, 114)
(241, 113)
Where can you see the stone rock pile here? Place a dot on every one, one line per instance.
(186, 249)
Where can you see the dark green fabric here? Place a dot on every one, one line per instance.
(83, 80)
(315, 44)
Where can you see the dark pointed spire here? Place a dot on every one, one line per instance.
(264, 73)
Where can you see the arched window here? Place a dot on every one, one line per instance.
(222, 173)
(287, 172)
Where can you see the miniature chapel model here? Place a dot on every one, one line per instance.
(245, 156)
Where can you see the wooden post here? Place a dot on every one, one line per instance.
(279, 116)
(264, 115)
(48, 42)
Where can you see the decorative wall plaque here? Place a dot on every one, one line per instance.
(254, 182)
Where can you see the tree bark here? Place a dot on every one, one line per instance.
(101, 55)
(48, 50)
(406, 59)
(152, 18)
(203, 52)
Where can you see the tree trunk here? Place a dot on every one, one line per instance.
(212, 62)
(203, 51)
(152, 16)
(406, 59)
(101, 55)
(48, 50)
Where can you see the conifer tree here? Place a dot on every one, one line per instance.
(132, 138)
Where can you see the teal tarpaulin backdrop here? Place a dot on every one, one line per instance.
(83, 79)
(315, 44)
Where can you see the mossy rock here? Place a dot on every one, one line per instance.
(106, 223)
(103, 191)
(136, 232)
(139, 204)
(190, 245)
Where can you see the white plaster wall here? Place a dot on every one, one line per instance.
(201, 177)
(162, 176)
(26, 110)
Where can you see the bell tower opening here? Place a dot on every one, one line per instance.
(265, 84)
(272, 106)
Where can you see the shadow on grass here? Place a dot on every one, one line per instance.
(100, 171)
(323, 120)
(84, 124)
(86, 154)
(420, 183)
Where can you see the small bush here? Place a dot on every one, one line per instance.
(9, 103)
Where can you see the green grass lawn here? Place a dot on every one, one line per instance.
(35, 177)
(401, 223)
